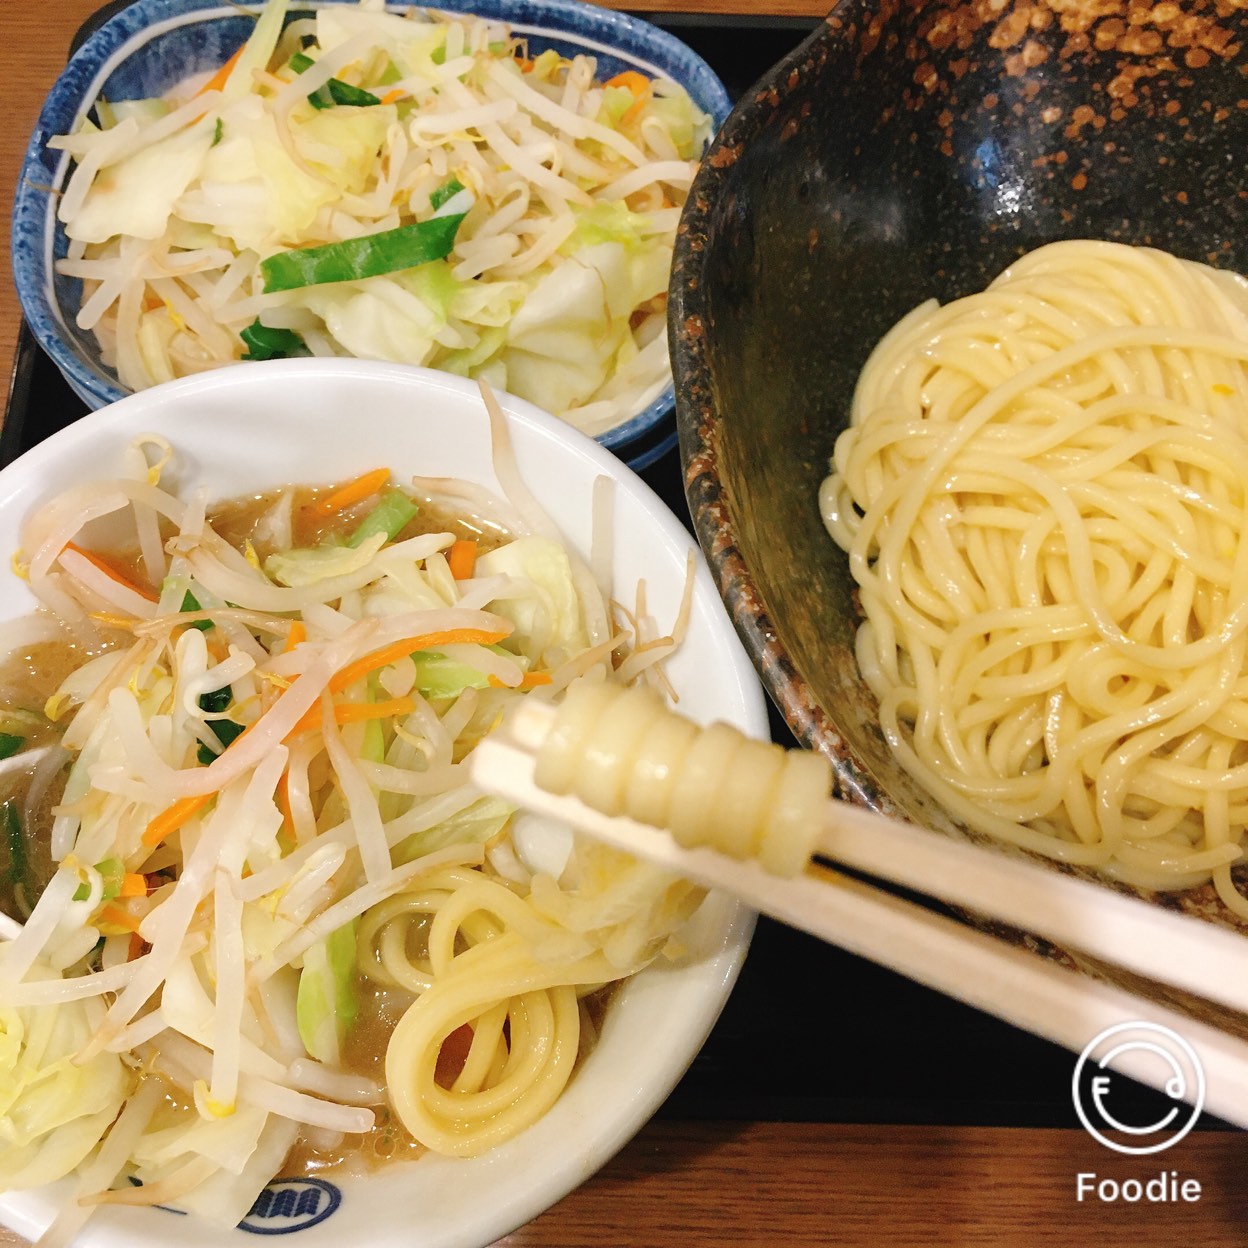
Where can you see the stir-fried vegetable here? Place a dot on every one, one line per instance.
(263, 343)
(326, 1005)
(250, 809)
(354, 259)
(411, 188)
(390, 517)
(334, 91)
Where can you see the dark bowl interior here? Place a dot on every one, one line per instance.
(904, 151)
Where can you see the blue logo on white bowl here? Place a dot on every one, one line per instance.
(289, 1205)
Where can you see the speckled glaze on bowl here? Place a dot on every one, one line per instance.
(152, 44)
(905, 151)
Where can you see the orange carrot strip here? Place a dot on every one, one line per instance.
(637, 83)
(298, 633)
(133, 885)
(394, 96)
(309, 720)
(462, 558)
(358, 712)
(353, 713)
(283, 800)
(219, 79)
(119, 918)
(641, 88)
(97, 562)
(352, 493)
(633, 111)
(171, 819)
(530, 680)
(397, 650)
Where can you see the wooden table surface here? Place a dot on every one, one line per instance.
(690, 1184)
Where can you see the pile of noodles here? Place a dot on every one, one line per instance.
(1044, 497)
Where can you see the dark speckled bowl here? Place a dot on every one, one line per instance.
(904, 151)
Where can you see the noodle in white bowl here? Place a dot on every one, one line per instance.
(1043, 492)
(433, 424)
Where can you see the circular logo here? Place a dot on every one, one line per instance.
(1160, 1056)
(288, 1205)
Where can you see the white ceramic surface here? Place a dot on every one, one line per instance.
(287, 421)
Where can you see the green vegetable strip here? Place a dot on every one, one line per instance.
(446, 191)
(111, 872)
(357, 258)
(345, 93)
(9, 744)
(390, 516)
(266, 343)
(19, 864)
(335, 91)
(225, 730)
(216, 701)
(191, 603)
(374, 747)
(326, 1005)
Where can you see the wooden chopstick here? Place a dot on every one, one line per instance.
(1062, 1005)
(1193, 955)
(1196, 956)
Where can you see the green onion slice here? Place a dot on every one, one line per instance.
(265, 343)
(335, 91)
(356, 258)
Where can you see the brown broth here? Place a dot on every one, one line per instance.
(237, 520)
(365, 1053)
(27, 680)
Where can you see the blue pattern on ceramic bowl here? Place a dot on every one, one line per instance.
(153, 44)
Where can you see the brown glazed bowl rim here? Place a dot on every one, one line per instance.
(701, 426)
(698, 421)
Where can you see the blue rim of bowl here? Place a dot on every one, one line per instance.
(606, 32)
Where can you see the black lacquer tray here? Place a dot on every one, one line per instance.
(811, 1033)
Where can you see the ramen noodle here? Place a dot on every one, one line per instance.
(1043, 493)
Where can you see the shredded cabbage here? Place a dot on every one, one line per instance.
(319, 563)
(53, 1109)
(326, 1006)
(543, 605)
(556, 281)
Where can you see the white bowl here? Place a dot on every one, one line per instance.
(239, 430)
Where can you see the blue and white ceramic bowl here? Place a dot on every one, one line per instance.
(153, 44)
